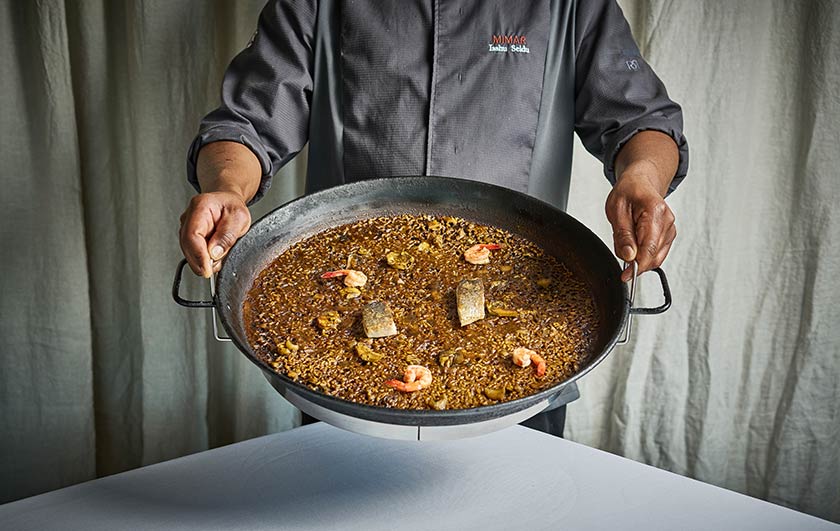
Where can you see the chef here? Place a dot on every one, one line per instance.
(489, 90)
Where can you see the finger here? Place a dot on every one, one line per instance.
(194, 248)
(624, 239)
(233, 224)
(193, 239)
(666, 247)
(627, 274)
(650, 228)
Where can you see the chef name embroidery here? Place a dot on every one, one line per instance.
(508, 44)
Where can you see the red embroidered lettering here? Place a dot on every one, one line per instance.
(508, 43)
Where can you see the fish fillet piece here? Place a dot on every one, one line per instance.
(470, 301)
(378, 320)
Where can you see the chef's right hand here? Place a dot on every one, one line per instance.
(210, 226)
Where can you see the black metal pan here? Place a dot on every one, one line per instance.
(555, 231)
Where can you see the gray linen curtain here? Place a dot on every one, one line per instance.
(102, 372)
(737, 385)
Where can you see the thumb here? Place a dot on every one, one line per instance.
(233, 223)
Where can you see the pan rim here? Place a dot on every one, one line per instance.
(421, 417)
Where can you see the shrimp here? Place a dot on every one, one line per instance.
(352, 278)
(480, 254)
(416, 377)
(523, 357)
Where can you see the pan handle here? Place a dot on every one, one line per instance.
(176, 288)
(666, 293)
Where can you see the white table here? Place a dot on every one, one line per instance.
(320, 477)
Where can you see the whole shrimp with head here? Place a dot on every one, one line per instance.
(416, 377)
(352, 278)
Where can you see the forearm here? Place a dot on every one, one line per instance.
(649, 155)
(228, 167)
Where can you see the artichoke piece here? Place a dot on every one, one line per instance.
(451, 357)
(350, 293)
(400, 260)
(328, 320)
(495, 393)
(367, 353)
(439, 405)
(501, 312)
(282, 349)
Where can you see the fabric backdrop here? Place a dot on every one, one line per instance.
(737, 385)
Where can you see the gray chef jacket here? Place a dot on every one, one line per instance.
(490, 90)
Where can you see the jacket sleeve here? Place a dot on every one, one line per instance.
(266, 92)
(617, 94)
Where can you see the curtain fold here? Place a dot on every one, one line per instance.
(737, 385)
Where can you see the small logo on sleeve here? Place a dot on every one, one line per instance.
(508, 44)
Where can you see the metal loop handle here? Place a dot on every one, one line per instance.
(666, 292)
(176, 288)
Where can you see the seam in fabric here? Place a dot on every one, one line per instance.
(432, 90)
(549, 61)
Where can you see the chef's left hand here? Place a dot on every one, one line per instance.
(643, 224)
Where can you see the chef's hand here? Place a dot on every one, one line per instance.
(209, 227)
(643, 224)
(229, 174)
